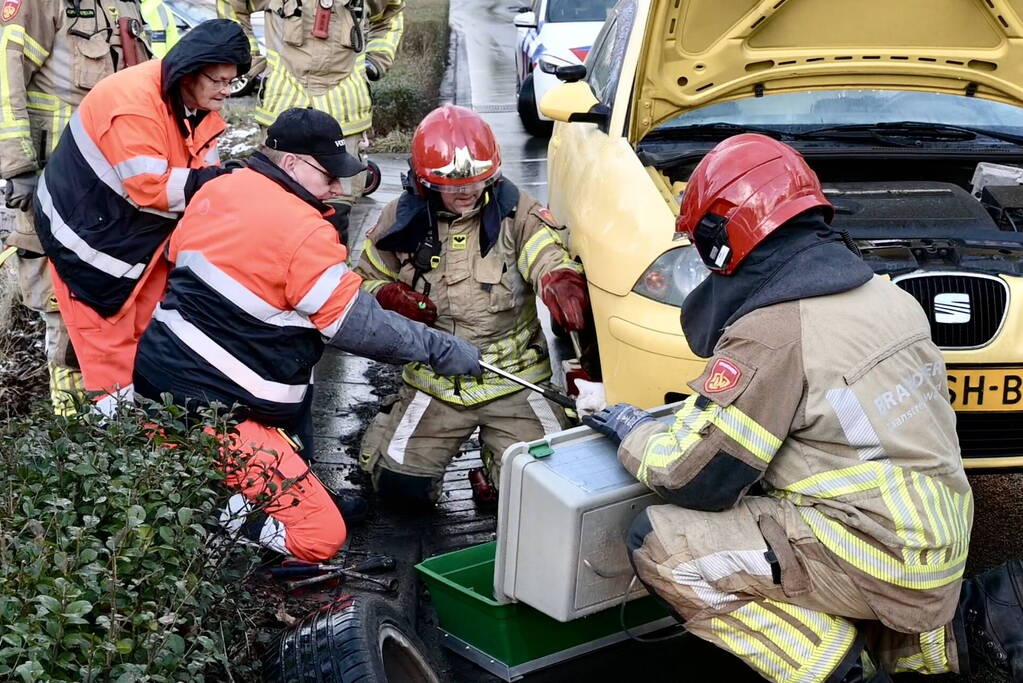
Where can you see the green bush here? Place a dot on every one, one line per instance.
(111, 567)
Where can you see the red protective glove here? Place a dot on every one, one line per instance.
(400, 298)
(563, 291)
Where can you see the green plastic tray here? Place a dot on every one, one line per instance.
(515, 637)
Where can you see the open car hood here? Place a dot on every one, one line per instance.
(698, 52)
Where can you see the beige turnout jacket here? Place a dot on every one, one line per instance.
(840, 405)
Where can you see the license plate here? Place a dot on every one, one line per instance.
(986, 389)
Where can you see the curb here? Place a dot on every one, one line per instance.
(456, 87)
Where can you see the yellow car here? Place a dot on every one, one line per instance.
(910, 112)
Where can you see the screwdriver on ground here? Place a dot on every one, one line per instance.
(291, 571)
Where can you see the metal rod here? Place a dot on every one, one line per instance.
(576, 346)
(559, 398)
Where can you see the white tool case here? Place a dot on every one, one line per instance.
(565, 506)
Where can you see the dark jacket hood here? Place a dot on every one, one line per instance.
(217, 41)
(804, 258)
(415, 217)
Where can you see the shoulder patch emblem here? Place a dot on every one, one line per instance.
(9, 10)
(544, 214)
(723, 376)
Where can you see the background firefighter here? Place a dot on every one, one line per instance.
(132, 156)
(259, 285)
(321, 54)
(51, 54)
(465, 250)
(825, 390)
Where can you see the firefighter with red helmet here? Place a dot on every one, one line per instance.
(466, 251)
(825, 391)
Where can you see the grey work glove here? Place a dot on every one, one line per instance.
(386, 336)
(20, 190)
(617, 421)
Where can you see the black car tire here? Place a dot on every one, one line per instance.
(361, 639)
(531, 121)
(372, 178)
(245, 86)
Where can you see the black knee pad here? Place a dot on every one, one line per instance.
(406, 488)
(252, 529)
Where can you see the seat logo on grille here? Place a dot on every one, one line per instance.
(952, 308)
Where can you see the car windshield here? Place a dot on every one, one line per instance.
(808, 110)
(578, 10)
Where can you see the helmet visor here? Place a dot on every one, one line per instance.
(465, 188)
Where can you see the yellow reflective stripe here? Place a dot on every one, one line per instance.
(778, 630)
(6, 254)
(814, 660)
(664, 448)
(540, 240)
(932, 647)
(10, 34)
(371, 286)
(753, 652)
(876, 562)
(226, 11)
(67, 389)
(914, 662)
(42, 101)
(388, 43)
(944, 530)
(747, 432)
(932, 658)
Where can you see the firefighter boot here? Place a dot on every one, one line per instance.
(990, 616)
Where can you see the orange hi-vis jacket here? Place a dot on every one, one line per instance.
(258, 284)
(118, 182)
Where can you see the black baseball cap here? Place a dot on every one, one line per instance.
(313, 132)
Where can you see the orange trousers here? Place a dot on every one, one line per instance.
(279, 502)
(105, 347)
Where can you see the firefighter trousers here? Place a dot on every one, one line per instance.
(421, 434)
(791, 615)
(66, 386)
(105, 347)
(279, 502)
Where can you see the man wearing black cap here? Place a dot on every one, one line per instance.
(258, 285)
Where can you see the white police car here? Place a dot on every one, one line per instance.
(551, 33)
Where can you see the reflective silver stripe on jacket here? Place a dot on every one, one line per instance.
(232, 368)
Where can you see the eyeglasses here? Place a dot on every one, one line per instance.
(221, 83)
(329, 177)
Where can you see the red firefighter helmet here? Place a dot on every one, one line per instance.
(747, 187)
(454, 150)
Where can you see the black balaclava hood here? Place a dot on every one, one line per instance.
(217, 41)
(803, 258)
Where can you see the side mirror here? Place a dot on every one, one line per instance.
(575, 102)
(526, 19)
(571, 73)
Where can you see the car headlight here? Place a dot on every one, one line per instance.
(549, 63)
(672, 276)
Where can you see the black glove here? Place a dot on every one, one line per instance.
(617, 421)
(373, 72)
(20, 190)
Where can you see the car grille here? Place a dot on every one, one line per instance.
(965, 311)
(990, 435)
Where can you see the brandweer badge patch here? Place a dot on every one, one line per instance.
(9, 10)
(723, 376)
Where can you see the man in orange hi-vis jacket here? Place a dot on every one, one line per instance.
(141, 144)
(258, 287)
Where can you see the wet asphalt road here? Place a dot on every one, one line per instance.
(349, 389)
